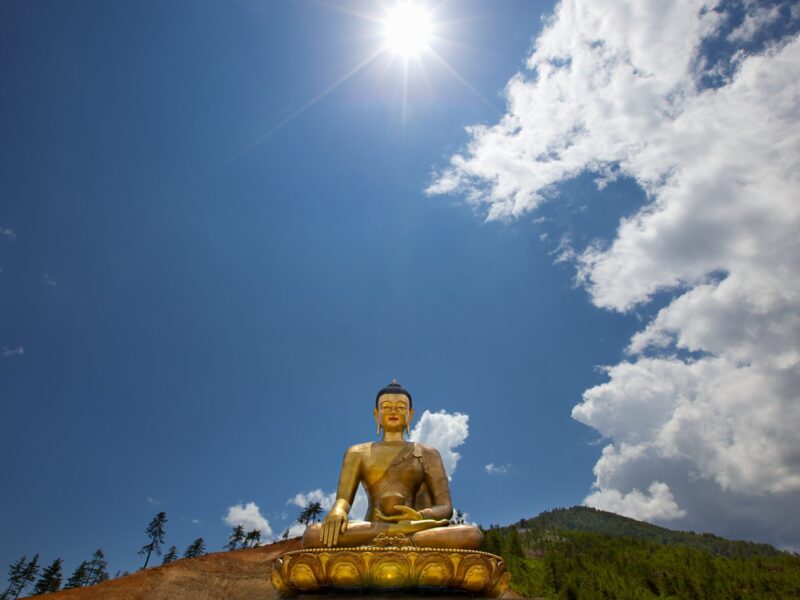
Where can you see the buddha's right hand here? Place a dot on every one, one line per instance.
(334, 524)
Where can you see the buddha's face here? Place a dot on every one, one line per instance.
(393, 412)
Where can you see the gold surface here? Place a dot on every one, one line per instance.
(406, 485)
(375, 567)
(406, 539)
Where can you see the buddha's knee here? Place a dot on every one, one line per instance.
(466, 537)
(311, 537)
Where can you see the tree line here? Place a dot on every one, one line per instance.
(567, 564)
(24, 573)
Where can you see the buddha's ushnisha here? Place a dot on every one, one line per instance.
(405, 482)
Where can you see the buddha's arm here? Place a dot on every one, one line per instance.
(436, 479)
(349, 477)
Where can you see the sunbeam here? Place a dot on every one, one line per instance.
(293, 115)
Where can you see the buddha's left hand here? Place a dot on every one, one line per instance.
(405, 513)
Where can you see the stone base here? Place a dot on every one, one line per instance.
(384, 568)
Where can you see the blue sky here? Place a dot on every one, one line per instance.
(222, 232)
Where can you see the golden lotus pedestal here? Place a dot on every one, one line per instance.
(406, 568)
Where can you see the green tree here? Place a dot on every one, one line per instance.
(155, 530)
(25, 577)
(15, 571)
(310, 513)
(252, 538)
(195, 549)
(236, 537)
(285, 535)
(458, 518)
(50, 581)
(515, 544)
(96, 568)
(170, 556)
(78, 577)
(20, 574)
(314, 511)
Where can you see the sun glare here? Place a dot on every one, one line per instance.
(407, 29)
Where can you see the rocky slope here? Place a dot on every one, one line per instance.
(239, 575)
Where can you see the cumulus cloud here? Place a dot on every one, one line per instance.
(303, 499)
(702, 414)
(493, 469)
(443, 431)
(659, 504)
(248, 516)
(755, 19)
(326, 499)
(6, 351)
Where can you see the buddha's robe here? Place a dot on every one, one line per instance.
(417, 475)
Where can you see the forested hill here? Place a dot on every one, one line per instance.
(584, 553)
(583, 518)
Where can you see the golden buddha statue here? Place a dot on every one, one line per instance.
(406, 485)
(406, 539)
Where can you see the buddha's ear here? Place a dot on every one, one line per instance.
(410, 415)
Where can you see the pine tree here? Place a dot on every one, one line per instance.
(252, 538)
(15, 571)
(96, 568)
(78, 577)
(50, 581)
(515, 544)
(156, 532)
(310, 514)
(236, 537)
(195, 549)
(27, 576)
(314, 511)
(303, 517)
(170, 556)
(458, 518)
(285, 535)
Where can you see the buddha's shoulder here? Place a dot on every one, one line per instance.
(428, 450)
(359, 448)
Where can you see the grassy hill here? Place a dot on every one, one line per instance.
(585, 553)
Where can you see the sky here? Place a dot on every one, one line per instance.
(569, 229)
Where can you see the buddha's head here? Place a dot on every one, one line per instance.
(393, 408)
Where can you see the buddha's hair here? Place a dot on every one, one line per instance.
(394, 388)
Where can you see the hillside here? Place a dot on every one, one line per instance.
(590, 520)
(585, 553)
(238, 575)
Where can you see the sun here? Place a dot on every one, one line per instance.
(407, 29)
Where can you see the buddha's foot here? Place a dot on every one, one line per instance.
(399, 566)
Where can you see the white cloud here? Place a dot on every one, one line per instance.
(326, 499)
(8, 234)
(303, 499)
(443, 431)
(493, 469)
(18, 351)
(152, 500)
(48, 279)
(658, 505)
(296, 530)
(615, 89)
(755, 19)
(248, 516)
